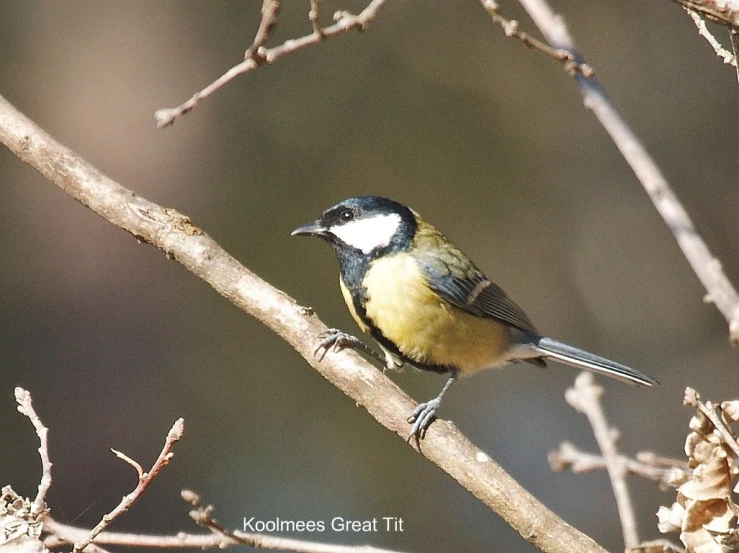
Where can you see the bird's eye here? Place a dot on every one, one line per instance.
(346, 216)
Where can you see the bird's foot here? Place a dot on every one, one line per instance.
(422, 417)
(336, 340)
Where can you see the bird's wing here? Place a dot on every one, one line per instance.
(462, 284)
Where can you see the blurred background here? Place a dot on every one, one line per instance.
(432, 106)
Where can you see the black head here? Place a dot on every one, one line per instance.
(368, 224)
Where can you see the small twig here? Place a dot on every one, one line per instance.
(665, 545)
(125, 458)
(692, 398)
(270, 9)
(585, 397)
(510, 28)
(734, 37)
(315, 17)
(569, 457)
(25, 406)
(653, 460)
(173, 436)
(706, 267)
(344, 22)
(724, 12)
(202, 515)
(94, 548)
(721, 52)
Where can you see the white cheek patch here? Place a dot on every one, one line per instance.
(368, 234)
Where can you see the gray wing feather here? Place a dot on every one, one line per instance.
(465, 286)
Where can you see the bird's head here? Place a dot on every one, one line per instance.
(368, 224)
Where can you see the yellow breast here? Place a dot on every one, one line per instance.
(424, 327)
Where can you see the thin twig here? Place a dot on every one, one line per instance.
(144, 479)
(367, 387)
(706, 267)
(202, 515)
(94, 548)
(25, 406)
(126, 459)
(569, 457)
(653, 460)
(344, 22)
(510, 28)
(692, 398)
(664, 545)
(721, 52)
(725, 12)
(734, 38)
(60, 534)
(585, 397)
(315, 17)
(270, 9)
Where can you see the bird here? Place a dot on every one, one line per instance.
(426, 304)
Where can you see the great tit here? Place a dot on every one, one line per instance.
(426, 304)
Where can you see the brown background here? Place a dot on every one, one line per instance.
(432, 106)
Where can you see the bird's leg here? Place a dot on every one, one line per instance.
(336, 340)
(425, 413)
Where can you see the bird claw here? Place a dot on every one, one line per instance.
(422, 417)
(334, 340)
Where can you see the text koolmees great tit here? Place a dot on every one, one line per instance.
(426, 304)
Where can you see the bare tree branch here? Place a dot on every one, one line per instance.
(144, 479)
(725, 12)
(268, 24)
(315, 17)
(179, 239)
(220, 537)
(61, 534)
(569, 457)
(657, 546)
(510, 28)
(25, 406)
(726, 56)
(344, 22)
(653, 460)
(734, 37)
(585, 398)
(202, 515)
(708, 269)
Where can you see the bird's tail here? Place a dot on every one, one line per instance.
(591, 362)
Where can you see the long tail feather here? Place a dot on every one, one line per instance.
(591, 362)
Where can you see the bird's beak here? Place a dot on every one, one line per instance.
(310, 229)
